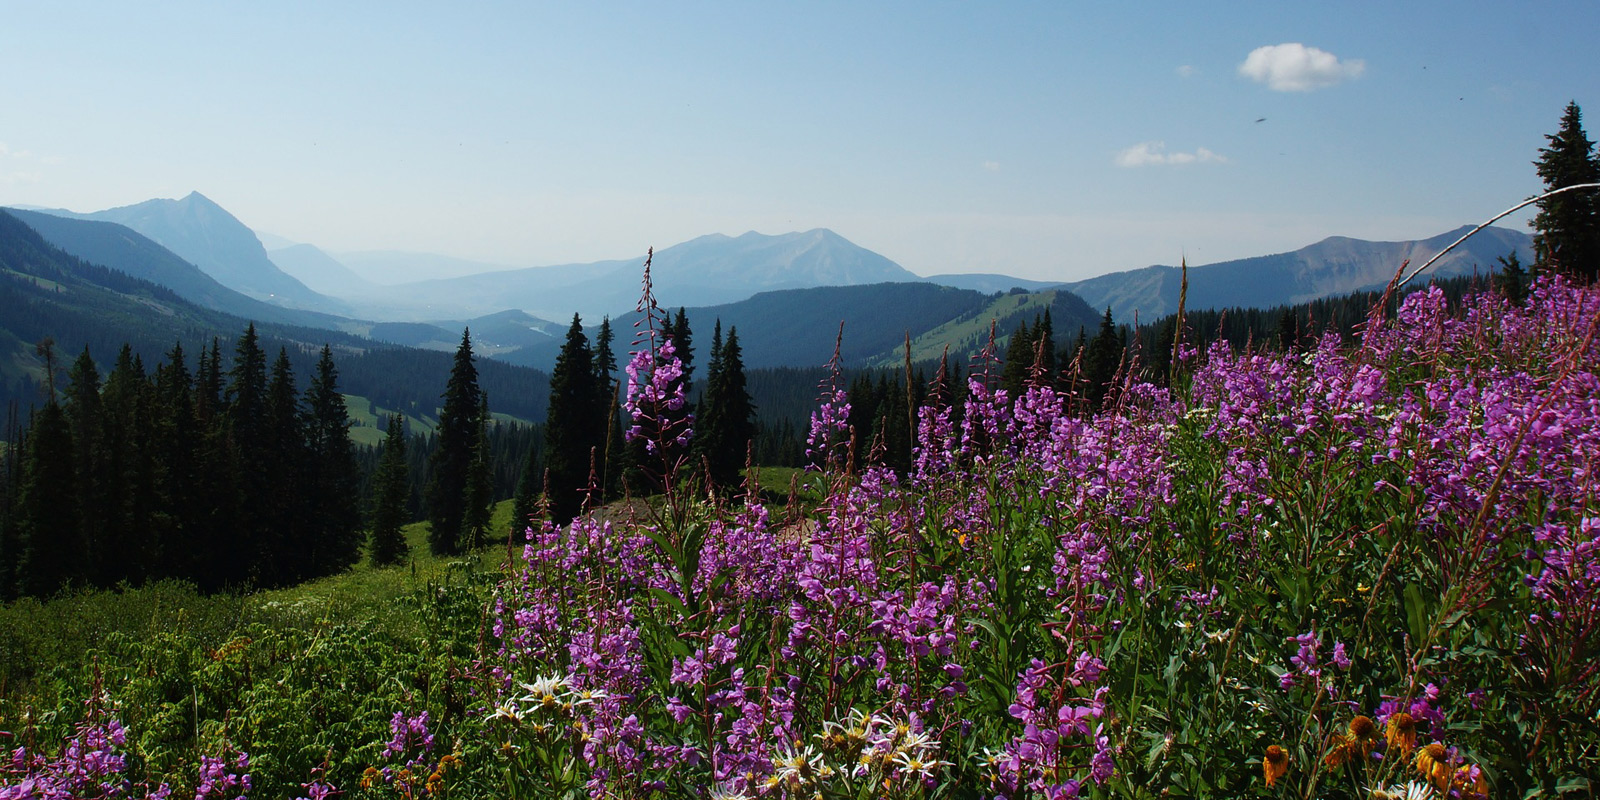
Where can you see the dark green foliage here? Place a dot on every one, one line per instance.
(574, 431)
(480, 486)
(1513, 279)
(451, 462)
(331, 478)
(613, 457)
(725, 423)
(1568, 224)
(51, 550)
(529, 488)
(1103, 359)
(392, 487)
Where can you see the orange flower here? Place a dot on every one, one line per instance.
(1274, 764)
(1339, 750)
(1433, 764)
(1402, 732)
(1362, 728)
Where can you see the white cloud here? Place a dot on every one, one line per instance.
(1186, 71)
(1146, 154)
(1293, 67)
(991, 166)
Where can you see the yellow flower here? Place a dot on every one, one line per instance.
(1433, 764)
(1402, 732)
(1274, 764)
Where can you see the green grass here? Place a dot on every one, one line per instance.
(369, 422)
(971, 331)
(38, 637)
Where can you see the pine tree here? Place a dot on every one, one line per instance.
(10, 492)
(175, 438)
(452, 458)
(1513, 279)
(392, 484)
(128, 475)
(480, 487)
(332, 478)
(94, 512)
(727, 423)
(572, 429)
(241, 529)
(612, 456)
(51, 551)
(1019, 361)
(1568, 224)
(284, 545)
(1102, 358)
(529, 487)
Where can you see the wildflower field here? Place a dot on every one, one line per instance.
(1368, 569)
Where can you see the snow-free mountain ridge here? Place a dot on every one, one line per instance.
(207, 236)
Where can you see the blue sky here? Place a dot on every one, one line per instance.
(1045, 140)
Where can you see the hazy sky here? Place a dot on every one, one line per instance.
(1049, 140)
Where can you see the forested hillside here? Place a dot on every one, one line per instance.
(47, 293)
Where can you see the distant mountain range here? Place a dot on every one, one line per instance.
(207, 236)
(121, 248)
(1334, 266)
(46, 293)
(787, 292)
(705, 271)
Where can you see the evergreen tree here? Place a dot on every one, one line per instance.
(392, 484)
(84, 418)
(1102, 358)
(175, 442)
(51, 551)
(129, 475)
(1019, 361)
(284, 548)
(10, 491)
(332, 478)
(613, 455)
(480, 488)
(1513, 279)
(529, 487)
(452, 457)
(240, 529)
(1568, 224)
(727, 425)
(683, 342)
(572, 430)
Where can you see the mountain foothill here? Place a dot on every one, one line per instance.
(787, 293)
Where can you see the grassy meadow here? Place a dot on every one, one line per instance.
(1368, 568)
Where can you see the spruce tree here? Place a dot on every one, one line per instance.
(612, 456)
(480, 486)
(572, 428)
(724, 434)
(529, 486)
(175, 439)
(10, 492)
(1019, 360)
(95, 514)
(284, 550)
(1513, 279)
(332, 477)
(1568, 225)
(392, 484)
(452, 457)
(129, 470)
(1102, 358)
(242, 531)
(52, 553)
